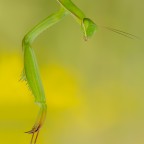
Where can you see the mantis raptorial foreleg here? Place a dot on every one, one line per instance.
(31, 71)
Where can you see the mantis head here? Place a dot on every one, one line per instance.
(88, 27)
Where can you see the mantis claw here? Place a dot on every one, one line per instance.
(33, 132)
(37, 126)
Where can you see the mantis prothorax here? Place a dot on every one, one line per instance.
(31, 71)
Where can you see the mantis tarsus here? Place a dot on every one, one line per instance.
(31, 71)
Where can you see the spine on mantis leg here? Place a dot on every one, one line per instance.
(88, 26)
(32, 74)
(31, 71)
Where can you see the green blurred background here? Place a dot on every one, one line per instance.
(94, 89)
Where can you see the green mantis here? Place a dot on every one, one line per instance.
(31, 72)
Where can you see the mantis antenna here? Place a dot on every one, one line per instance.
(31, 71)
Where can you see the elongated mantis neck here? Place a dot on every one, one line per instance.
(73, 9)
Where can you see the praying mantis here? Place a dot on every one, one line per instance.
(31, 71)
